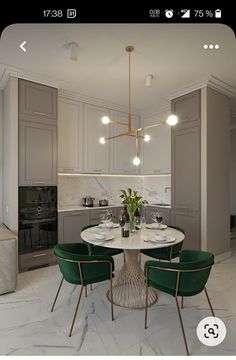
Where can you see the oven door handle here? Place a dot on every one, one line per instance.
(37, 221)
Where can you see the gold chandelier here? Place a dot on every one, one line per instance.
(134, 132)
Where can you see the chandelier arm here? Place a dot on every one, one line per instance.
(152, 126)
(119, 122)
(116, 136)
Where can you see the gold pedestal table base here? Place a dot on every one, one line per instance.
(129, 288)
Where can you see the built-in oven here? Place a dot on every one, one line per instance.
(37, 218)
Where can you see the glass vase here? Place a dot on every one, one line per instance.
(131, 221)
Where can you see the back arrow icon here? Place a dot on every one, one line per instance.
(22, 46)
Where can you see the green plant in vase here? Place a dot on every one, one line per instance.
(133, 201)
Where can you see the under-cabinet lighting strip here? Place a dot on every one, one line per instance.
(115, 175)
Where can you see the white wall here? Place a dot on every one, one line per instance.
(233, 171)
(10, 154)
(1, 149)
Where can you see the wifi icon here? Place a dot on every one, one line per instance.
(186, 13)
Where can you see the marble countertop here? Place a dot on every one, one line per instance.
(81, 207)
(161, 206)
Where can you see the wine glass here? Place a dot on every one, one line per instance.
(159, 219)
(142, 222)
(154, 217)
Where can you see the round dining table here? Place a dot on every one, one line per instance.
(129, 289)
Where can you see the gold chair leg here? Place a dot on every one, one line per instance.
(86, 293)
(182, 302)
(54, 302)
(77, 306)
(182, 325)
(209, 302)
(146, 307)
(91, 287)
(124, 257)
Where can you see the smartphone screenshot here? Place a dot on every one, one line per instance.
(118, 182)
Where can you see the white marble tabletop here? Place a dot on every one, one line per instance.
(135, 241)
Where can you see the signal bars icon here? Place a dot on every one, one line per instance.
(186, 13)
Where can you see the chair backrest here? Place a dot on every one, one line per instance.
(71, 258)
(190, 260)
(193, 271)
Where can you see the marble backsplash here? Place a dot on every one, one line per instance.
(72, 188)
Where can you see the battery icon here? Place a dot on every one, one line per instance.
(218, 13)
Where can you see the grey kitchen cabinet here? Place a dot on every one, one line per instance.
(122, 149)
(150, 209)
(187, 108)
(96, 155)
(189, 221)
(36, 259)
(70, 225)
(37, 153)
(156, 153)
(37, 102)
(186, 167)
(70, 137)
(95, 215)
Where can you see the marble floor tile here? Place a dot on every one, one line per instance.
(27, 326)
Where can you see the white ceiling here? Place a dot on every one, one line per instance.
(173, 53)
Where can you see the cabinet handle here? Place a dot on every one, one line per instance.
(39, 113)
(75, 214)
(97, 170)
(39, 255)
(69, 168)
(38, 182)
(157, 170)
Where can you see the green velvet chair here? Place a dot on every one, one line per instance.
(185, 278)
(78, 267)
(166, 253)
(100, 250)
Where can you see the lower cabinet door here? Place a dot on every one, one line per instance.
(70, 226)
(190, 222)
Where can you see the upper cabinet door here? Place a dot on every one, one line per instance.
(156, 154)
(70, 135)
(37, 102)
(95, 154)
(187, 108)
(122, 149)
(37, 154)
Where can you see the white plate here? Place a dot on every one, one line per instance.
(169, 239)
(156, 227)
(102, 226)
(107, 238)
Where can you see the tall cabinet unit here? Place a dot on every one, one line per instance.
(186, 167)
(37, 162)
(37, 134)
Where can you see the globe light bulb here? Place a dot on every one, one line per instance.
(136, 161)
(105, 120)
(146, 137)
(102, 140)
(172, 120)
